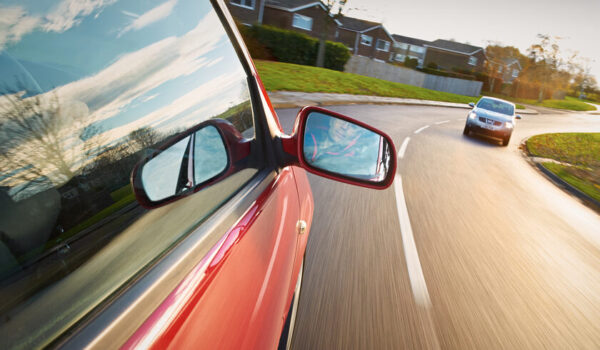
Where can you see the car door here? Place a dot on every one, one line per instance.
(90, 91)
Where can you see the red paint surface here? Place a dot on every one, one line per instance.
(233, 298)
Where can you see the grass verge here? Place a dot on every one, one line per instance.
(569, 103)
(292, 77)
(579, 154)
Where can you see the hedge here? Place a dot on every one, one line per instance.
(266, 42)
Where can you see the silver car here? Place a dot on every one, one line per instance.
(492, 117)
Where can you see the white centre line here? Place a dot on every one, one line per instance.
(421, 129)
(415, 273)
(403, 148)
(442, 122)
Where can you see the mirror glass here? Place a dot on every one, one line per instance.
(184, 165)
(338, 146)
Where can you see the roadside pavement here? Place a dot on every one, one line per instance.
(291, 99)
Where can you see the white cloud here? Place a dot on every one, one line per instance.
(69, 13)
(16, 22)
(135, 74)
(152, 16)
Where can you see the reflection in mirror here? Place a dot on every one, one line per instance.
(184, 165)
(344, 148)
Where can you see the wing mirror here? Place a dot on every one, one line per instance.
(471, 104)
(518, 116)
(189, 162)
(338, 147)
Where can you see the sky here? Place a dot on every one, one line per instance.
(509, 22)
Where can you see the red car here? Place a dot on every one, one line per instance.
(149, 196)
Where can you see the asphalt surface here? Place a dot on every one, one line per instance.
(509, 260)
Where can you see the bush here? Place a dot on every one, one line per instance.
(266, 42)
(411, 62)
(432, 65)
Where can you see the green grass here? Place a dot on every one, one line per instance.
(570, 98)
(278, 76)
(569, 103)
(572, 176)
(123, 202)
(121, 193)
(580, 150)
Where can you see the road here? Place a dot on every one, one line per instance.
(502, 259)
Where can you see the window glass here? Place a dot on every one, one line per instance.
(515, 73)
(366, 40)
(302, 22)
(496, 106)
(417, 49)
(402, 46)
(86, 92)
(472, 60)
(399, 57)
(244, 3)
(382, 45)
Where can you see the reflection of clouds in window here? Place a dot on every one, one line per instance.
(174, 82)
(17, 22)
(209, 99)
(154, 15)
(136, 73)
(69, 13)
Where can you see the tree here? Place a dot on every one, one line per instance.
(41, 139)
(549, 66)
(328, 17)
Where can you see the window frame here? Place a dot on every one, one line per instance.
(472, 61)
(363, 40)
(252, 7)
(386, 45)
(515, 73)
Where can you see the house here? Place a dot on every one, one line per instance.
(453, 56)
(405, 46)
(247, 12)
(508, 69)
(304, 16)
(365, 38)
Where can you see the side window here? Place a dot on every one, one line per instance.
(85, 94)
(366, 40)
(244, 3)
(382, 45)
(302, 22)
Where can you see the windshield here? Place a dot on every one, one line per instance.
(496, 106)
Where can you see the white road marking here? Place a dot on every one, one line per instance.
(403, 148)
(442, 122)
(421, 129)
(415, 273)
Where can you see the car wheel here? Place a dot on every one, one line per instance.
(505, 140)
(466, 131)
(285, 341)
